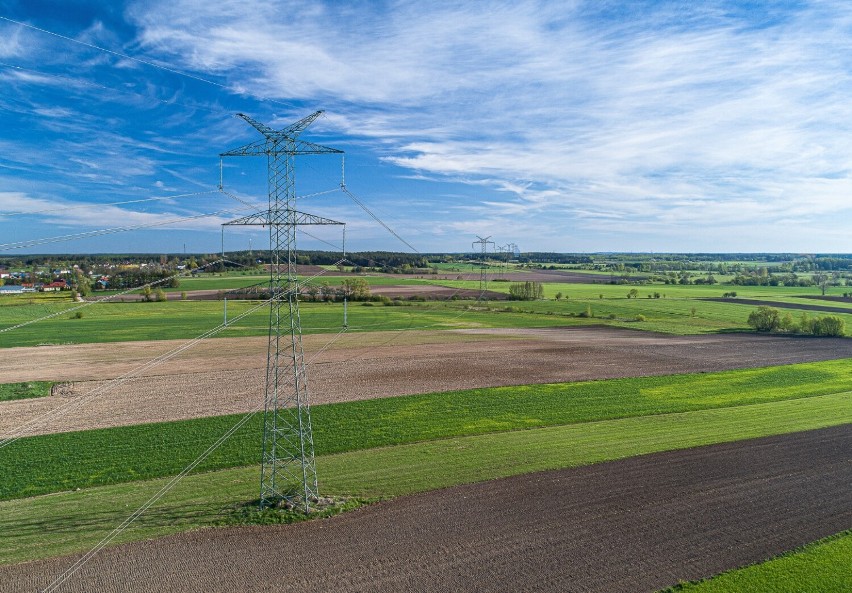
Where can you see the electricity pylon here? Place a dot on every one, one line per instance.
(288, 472)
(483, 276)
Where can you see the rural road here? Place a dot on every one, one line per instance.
(632, 525)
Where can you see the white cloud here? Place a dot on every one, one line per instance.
(656, 116)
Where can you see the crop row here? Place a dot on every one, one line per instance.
(51, 463)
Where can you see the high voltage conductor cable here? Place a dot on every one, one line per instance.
(148, 504)
(318, 193)
(109, 231)
(221, 190)
(315, 238)
(116, 90)
(99, 205)
(82, 561)
(30, 425)
(376, 218)
(139, 60)
(105, 298)
(115, 53)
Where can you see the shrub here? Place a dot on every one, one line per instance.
(829, 326)
(806, 325)
(765, 319)
(787, 323)
(639, 318)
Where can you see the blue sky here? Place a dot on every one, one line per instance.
(559, 126)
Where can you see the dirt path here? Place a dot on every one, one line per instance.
(225, 376)
(635, 525)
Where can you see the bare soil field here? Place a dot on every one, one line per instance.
(523, 276)
(430, 291)
(427, 291)
(635, 525)
(224, 376)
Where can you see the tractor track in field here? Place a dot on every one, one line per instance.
(637, 524)
(225, 376)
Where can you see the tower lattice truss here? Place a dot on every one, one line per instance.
(288, 470)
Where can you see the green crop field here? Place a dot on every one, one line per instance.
(677, 311)
(396, 446)
(11, 391)
(66, 522)
(50, 463)
(822, 566)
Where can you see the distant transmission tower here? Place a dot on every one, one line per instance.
(511, 251)
(483, 267)
(288, 471)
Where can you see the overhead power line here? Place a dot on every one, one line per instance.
(116, 53)
(168, 487)
(101, 205)
(106, 298)
(124, 91)
(30, 426)
(160, 66)
(355, 199)
(108, 231)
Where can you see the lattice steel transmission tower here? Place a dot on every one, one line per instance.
(483, 267)
(511, 250)
(288, 471)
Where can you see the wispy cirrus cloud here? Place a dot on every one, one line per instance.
(532, 117)
(680, 114)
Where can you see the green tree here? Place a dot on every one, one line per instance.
(821, 280)
(526, 291)
(634, 293)
(312, 290)
(765, 319)
(83, 284)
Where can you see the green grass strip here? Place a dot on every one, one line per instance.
(51, 463)
(12, 391)
(824, 566)
(73, 521)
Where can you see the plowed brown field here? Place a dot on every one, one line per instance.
(634, 525)
(225, 376)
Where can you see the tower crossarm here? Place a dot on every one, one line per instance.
(267, 147)
(291, 131)
(266, 218)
